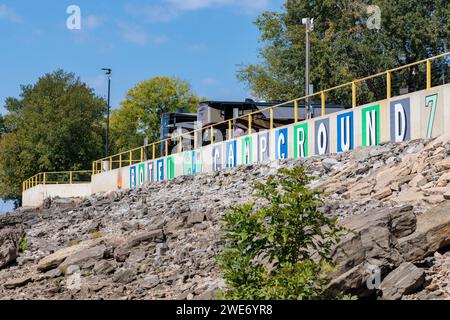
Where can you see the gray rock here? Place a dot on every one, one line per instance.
(104, 267)
(329, 163)
(406, 279)
(148, 236)
(124, 276)
(194, 218)
(16, 283)
(95, 253)
(150, 281)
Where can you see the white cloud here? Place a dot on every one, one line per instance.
(9, 14)
(168, 10)
(198, 48)
(140, 37)
(209, 81)
(91, 22)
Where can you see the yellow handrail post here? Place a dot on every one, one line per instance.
(354, 94)
(110, 163)
(250, 123)
(428, 74)
(120, 160)
(70, 177)
(295, 111)
(211, 132)
(271, 118)
(154, 151)
(45, 178)
(180, 144)
(230, 130)
(388, 84)
(142, 154)
(93, 167)
(322, 97)
(167, 148)
(131, 158)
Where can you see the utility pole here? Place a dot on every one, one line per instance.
(108, 73)
(309, 24)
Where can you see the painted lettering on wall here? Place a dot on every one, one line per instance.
(345, 132)
(322, 129)
(431, 104)
(301, 141)
(132, 177)
(160, 170)
(281, 140)
(197, 161)
(141, 174)
(170, 168)
(151, 171)
(370, 126)
(400, 114)
(217, 158)
(263, 147)
(231, 156)
(187, 162)
(247, 150)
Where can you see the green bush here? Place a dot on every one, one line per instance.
(23, 244)
(282, 250)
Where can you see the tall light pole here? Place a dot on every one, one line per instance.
(108, 73)
(309, 24)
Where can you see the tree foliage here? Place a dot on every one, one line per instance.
(56, 124)
(281, 250)
(343, 47)
(140, 113)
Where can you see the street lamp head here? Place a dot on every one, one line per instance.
(309, 23)
(107, 71)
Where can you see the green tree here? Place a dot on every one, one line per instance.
(2, 125)
(344, 48)
(140, 113)
(280, 250)
(56, 124)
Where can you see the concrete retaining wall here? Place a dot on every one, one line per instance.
(35, 196)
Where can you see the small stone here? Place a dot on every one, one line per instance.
(72, 269)
(195, 217)
(150, 281)
(124, 276)
(16, 283)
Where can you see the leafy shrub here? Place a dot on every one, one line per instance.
(23, 244)
(281, 250)
(96, 235)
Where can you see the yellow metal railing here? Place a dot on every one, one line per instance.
(64, 177)
(161, 148)
(132, 156)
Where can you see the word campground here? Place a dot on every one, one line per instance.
(423, 114)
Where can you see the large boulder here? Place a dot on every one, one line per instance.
(371, 241)
(10, 239)
(432, 234)
(406, 279)
(89, 254)
(55, 259)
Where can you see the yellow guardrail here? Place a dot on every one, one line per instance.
(149, 151)
(63, 177)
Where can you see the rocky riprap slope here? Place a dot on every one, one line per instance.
(160, 241)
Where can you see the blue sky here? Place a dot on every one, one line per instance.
(201, 41)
